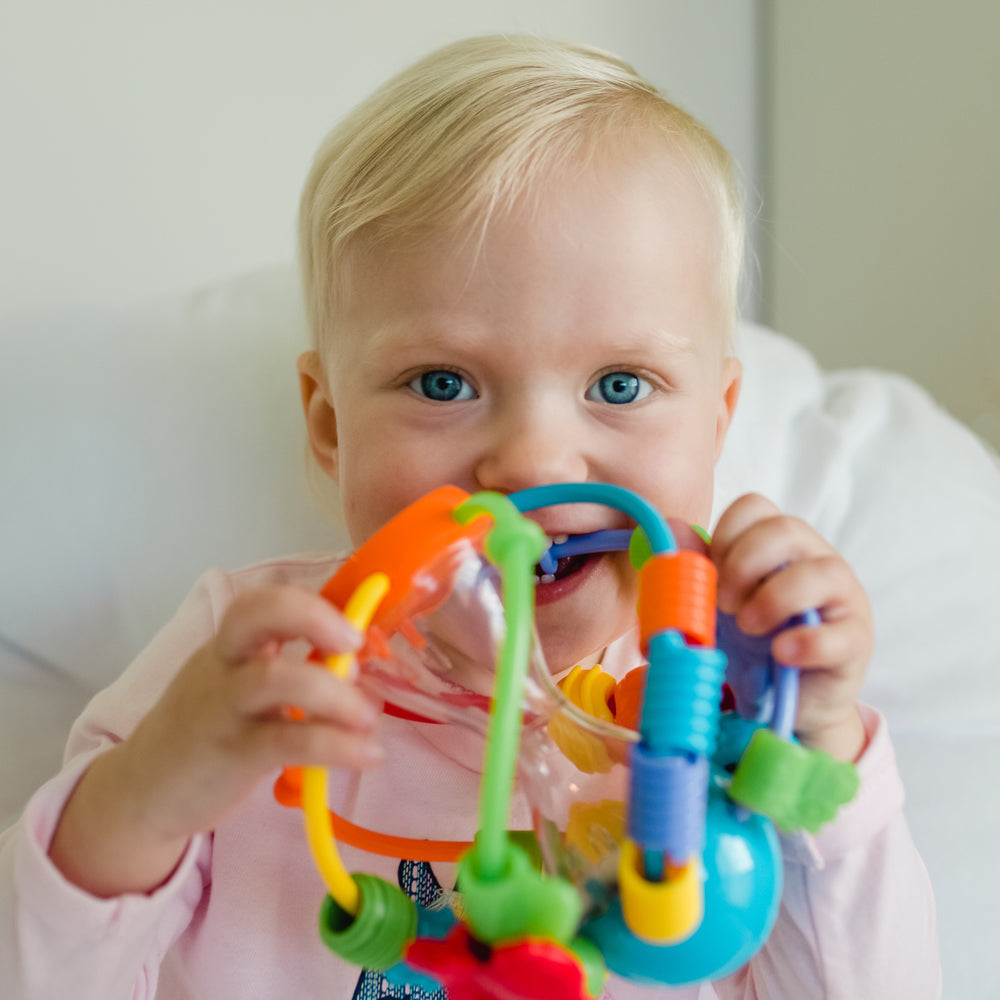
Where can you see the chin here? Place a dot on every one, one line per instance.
(561, 655)
(577, 618)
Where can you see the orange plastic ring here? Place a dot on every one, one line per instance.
(677, 591)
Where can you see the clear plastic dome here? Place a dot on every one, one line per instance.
(440, 665)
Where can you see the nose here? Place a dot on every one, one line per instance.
(532, 445)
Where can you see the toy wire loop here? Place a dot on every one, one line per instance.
(513, 545)
(319, 826)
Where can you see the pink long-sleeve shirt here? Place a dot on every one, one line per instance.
(238, 916)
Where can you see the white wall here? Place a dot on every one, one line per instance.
(882, 206)
(151, 147)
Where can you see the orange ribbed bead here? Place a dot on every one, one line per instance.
(677, 591)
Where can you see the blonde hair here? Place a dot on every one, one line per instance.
(470, 128)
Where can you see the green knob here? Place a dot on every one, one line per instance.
(521, 902)
(795, 787)
(377, 935)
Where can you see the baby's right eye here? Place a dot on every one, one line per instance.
(442, 386)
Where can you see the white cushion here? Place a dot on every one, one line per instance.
(141, 449)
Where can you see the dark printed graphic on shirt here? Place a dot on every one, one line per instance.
(417, 880)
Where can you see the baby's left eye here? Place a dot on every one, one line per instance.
(619, 388)
(443, 386)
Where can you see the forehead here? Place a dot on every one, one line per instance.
(625, 243)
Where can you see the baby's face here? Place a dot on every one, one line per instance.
(581, 340)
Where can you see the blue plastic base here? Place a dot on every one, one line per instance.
(743, 878)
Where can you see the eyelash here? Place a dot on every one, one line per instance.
(643, 388)
(419, 384)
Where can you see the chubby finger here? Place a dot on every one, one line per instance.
(830, 644)
(267, 687)
(258, 619)
(314, 744)
(736, 519)
(824, 582)
(767, 546)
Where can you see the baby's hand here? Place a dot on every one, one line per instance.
(771, 567)
(225, 721)
(217, 730)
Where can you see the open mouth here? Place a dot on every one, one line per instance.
(571, 573)
(569, 555)
(564, 567)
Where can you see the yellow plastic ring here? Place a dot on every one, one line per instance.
(660, 912)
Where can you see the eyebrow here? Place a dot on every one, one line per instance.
(406, 335)
(432, 337)
(640, 341)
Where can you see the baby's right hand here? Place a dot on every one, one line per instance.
(225, 722)
(217, 730)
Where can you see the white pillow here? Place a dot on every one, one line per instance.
(141, 449)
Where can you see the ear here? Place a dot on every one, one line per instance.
(321, 418)
(732, 381)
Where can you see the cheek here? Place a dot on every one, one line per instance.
(687, 498)
(379, 476)
(698, 461)
(367, 490)
(676, 472)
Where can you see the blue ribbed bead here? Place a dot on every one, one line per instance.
(667, 804)
(680, 709)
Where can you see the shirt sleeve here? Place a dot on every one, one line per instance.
(57, 941)
(857, 917)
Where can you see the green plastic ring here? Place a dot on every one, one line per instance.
(376, 937)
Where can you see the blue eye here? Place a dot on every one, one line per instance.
(442, 386)
(618, 388)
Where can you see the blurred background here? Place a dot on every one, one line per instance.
(879, 158)
(149, 148)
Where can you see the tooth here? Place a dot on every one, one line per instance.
(560, 540)
(548, 562)
(548, 577)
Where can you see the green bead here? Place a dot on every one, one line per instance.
(795, 787)
(702, 533)
(639, 549)
(377, 935)
(519, 902)
(513, 536)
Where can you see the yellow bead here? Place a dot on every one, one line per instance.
(660, 912)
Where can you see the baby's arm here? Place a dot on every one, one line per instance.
(772, 567)
(221, 725)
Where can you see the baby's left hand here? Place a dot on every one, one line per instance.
(772, 566)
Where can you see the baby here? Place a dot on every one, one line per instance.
(521, 267)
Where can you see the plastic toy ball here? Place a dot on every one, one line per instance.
(654, 809)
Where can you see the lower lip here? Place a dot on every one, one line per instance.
(547, 593)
